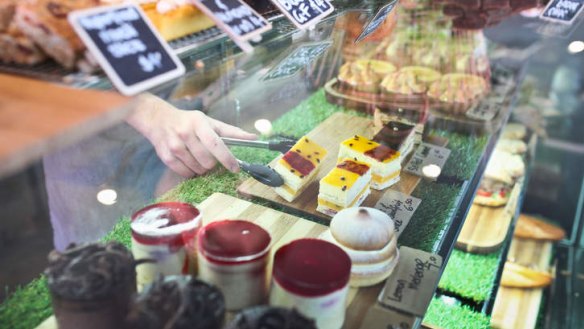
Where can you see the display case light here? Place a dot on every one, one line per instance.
(107, 196)
(575, 47)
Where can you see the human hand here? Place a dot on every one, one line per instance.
(188, 142)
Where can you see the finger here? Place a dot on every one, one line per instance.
(226, 130)
(215, 145)
(198, 151)
(181, 152)
(173, 163)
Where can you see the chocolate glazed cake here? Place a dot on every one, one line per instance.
(91, 285)
(178, 302)
(265, 317)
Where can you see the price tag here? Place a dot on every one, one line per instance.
(562, 11)
(412, 283)
(377, 20)
(304, 13)
(237, 19)
(428, 161)
(380, 317)
(127, 47)
(400, 207)
(485, 110)
(300, 58)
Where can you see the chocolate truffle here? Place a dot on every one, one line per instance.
(265, 317)
(91, 285)
(178, 302)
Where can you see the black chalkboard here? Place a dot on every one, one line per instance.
(298, 59)
(562, 11)
(377, 20)
(304, 13)
(235, 17)
(124, 43)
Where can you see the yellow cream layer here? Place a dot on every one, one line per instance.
(308, 150)
(340, 177)
(361, 145)
(380, 180)
(288, 189)
(334, 206)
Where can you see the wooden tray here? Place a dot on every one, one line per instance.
(485, 228)
(328, 134)
(518, 308)
(283, 229)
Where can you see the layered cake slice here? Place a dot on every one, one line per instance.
(298, 166)
(384, 161)
(345, 186)
(398, 136)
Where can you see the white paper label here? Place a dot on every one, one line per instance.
(400, 207)
(428, 161)
(485, 110)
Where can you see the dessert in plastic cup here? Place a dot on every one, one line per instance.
(234, 255)
(91, 285)
(165, 233)
(312, 276)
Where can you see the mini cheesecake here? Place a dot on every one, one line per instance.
(383, 160)
(298, 166)
(347, 185)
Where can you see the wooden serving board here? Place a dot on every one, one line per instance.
(485, 228)
(518, 308)
(283, 228)
(328, 134)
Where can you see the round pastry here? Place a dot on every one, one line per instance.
(368, 236)
(458, 92)
(513, 146)
(178, 302)
(380, 68)
(514, 131)
(266, 317)
(362, 228)
(91, 285)
(363, 75)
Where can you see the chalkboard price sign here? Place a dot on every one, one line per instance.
(562, 11)
(127, 47)
(235, 18)
(377, 20)
(300, 58)
(304, 13)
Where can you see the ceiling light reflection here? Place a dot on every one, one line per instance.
(107, 196)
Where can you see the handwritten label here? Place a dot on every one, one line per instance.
(235, 18)
(400, 207)
(428, 161)
(377, 20)
(562, 11)
(127, 47)
(412, 283)
(304, 13)
(300, 58)
(380, 317)
(485, 110)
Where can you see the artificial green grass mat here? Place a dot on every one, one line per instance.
(432, 217)
(454, 316)
(469, 275)
(30, 305)
(466, 152)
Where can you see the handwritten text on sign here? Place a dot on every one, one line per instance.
(236, 18)
(126, 46)
(411, 285)
(400, 207)
(377, 20)
(304, 13)
(562, 11)
(428, 161)
(300, 58)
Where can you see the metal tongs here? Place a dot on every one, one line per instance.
(261, 173)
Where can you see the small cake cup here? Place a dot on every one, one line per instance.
(234, 255)
(165, 233)
(312, 276)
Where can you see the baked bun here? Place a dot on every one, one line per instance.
(518, 276)
(368, 236)
(514, 131)
(529, 227)
(513, 146)
(362, 228)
